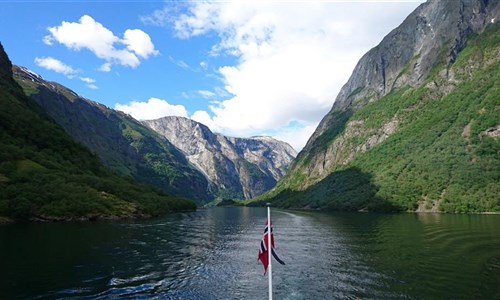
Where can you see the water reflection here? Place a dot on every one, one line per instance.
(212, 254)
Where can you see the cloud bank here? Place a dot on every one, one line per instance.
(292, 58)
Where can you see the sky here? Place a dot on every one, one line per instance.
(243, 68)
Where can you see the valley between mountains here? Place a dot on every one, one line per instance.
(415, 128)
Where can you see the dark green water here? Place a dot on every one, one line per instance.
(212, 254)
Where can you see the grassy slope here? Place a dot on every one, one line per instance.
(44, 173)
(121, 143)
(439, 156)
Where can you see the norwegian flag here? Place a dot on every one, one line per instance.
(263, 255)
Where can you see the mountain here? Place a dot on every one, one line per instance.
(121, 143)
(240, 168)
(163, 152)
(417, 125)
(45, 174)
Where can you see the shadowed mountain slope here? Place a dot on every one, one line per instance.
(45, 174)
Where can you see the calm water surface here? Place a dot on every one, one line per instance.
(212, 254)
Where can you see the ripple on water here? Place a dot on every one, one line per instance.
(212, 254)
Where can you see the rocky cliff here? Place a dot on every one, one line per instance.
(235, 167)
(414, 126)
(122, 143)
(432, 34)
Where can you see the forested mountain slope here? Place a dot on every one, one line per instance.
(417, 125)
(45, 174)
(119, 141)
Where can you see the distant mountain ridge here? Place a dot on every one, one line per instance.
(170, 159)
(122, 143)
(416, 126)
(239, 168)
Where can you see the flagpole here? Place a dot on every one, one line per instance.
(269, 250)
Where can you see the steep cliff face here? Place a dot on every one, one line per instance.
(405, 131)
(432, 34)
(271, 155)
(235, 167)
(5, 64)
(121, 142)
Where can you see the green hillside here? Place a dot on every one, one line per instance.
(444, 153)
(45, 174)
(121, 143)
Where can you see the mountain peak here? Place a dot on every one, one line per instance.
(432, 34)
(409, 129)
(236, 167)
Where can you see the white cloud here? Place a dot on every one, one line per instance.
(154, 108)
(206, 94)
(160, 17)
(106, 67)
(87, 80)
(139, 42)
(55, 65)
(92, 35)
(292, 58)
(58, 66)
(48, 40)
(179, 63)
(204, 118)
(296, 136)
(90, 82)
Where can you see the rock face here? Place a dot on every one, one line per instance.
(121, 143)
(434, 33)
(5, 64)
(416, 125)
(431, 35)
(235, 167)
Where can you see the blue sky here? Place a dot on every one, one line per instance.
(242, 68)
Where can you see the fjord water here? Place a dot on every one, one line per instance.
(212, 254)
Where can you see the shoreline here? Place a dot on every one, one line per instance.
(81, 219)
(96, 218)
